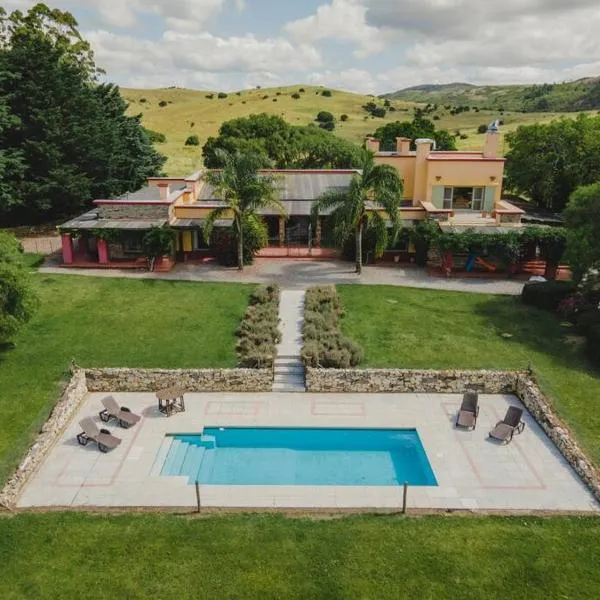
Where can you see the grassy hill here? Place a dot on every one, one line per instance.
(572, 96)
(189, 112)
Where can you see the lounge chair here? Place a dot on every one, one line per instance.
(511, 424)
(91, 433)
(469, 411)
(113, 411)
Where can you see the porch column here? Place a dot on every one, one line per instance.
(281, 232)
(67, 248)
(102, 246)
(318, 233)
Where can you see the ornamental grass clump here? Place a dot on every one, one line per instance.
(258, 333)
(324, 344)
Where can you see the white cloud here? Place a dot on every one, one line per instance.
(182, 58)
(342, 20)
(356, 80)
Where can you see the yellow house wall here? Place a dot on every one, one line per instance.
(186, 241)
(464, 174)
(406, 168)
(196, 212)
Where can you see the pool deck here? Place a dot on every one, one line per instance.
(473, 473)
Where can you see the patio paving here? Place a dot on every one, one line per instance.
(472, 472)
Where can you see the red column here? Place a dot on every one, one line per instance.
(67, 248)
(102, 246)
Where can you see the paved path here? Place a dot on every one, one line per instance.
(289, 370)
(295, 274)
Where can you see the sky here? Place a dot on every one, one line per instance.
(367, 46)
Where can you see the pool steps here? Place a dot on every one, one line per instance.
(195, 462)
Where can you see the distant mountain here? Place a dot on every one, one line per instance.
(583, 94)
(437, 87)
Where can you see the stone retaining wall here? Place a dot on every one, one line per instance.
(60, 417)
(520, 383)
(402, 381)
(192, 380)
(542, 411)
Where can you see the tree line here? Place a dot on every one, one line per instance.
(64, 137)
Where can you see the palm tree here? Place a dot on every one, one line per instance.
(243, 190)
(355, 209)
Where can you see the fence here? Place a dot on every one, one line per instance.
(41, 245)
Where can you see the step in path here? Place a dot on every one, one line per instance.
(289, 370)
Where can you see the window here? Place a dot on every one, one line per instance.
(464, 198)
(132, 242)
(477, 203)
(448, 192)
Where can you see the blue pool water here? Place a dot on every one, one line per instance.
(270, 456)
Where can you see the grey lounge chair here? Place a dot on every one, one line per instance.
(113, 411)
(511, 424)
(91, 433)
(469, 411)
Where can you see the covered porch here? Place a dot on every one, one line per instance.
(89, 241)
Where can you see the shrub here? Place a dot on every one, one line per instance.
(296, 96)
(274, 99)
(221, 95)
(379, 112)
(210, 96)
(238, 93)
(193, 140)
(547, 295)
(256, 236)
(482, 128)
(326, 93)
(325, 117)
(344, 118)
(329, 126)
(301, 90)
(156, 137)
(258, 333)
(163, 103)
(324, 344)
(143, 100)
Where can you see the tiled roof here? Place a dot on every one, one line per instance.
(90, 220)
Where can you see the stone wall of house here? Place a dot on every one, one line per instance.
(60, 417)
(133, 211)
(374, 381)
(193, 380)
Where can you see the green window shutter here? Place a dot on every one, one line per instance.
(437, 196)
(489, 200)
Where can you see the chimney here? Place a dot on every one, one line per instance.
(372, 144)
(403, 145)
(491, 145)
(164, 191)
(423, 149)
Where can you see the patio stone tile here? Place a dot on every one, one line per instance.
(471, 471)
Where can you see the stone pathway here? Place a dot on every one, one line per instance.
(289, 370)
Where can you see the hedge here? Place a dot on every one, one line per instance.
(324, 344)
(258, 333)
(547, 295)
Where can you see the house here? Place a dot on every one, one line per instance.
(457, 189)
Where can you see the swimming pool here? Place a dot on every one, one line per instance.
(296, 456)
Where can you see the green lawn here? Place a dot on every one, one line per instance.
(410, 328)
(259, 556)
(109, 323)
